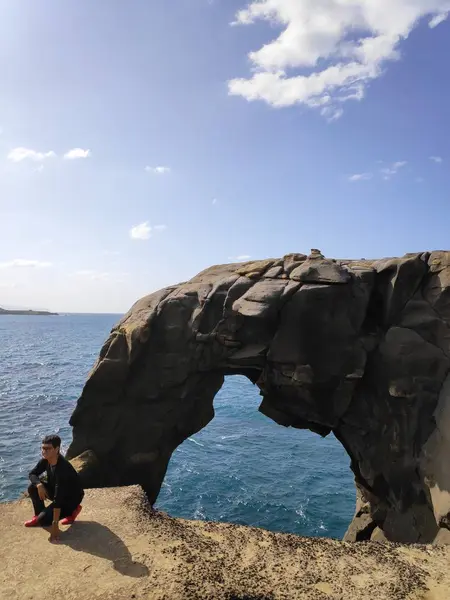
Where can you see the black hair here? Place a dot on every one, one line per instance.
(54, 440)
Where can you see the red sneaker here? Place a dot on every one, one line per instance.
(32, 522)
(73, 516)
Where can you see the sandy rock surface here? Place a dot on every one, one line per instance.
(119, 549)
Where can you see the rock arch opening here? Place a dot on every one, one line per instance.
(357, 348)
(243, 468)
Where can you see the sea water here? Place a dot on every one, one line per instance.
(242, 468)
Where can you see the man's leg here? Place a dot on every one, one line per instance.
(45, 518)
(38, 504)
(71, 515)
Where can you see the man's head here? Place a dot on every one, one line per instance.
(50, 447)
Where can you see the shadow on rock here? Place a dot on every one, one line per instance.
(94, 538)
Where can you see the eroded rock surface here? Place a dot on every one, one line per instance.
(360, 348)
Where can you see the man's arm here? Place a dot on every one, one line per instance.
(56, 516)
(55, 531)
(60, 485)
(38, 470)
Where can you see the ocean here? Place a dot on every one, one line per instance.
(242, 468)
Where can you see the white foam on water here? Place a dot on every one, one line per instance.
(195, 442)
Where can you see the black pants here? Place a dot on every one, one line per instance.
(46, 513)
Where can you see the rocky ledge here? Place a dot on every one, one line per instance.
(119, 550)
(357, 348)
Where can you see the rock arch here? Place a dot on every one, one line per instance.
(360, 348)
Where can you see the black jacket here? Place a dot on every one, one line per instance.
(64, 486)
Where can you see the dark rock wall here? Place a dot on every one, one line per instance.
(360, 348)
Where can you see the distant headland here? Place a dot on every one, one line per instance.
(4, 311)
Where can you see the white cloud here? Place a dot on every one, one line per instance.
(214, 201)
(93, 275)
(77, 153)
(360, 177)
(339, 47)
(436, 159)
(393, 169)
(158, 170)
(143, 231)
(20, 154)
(240, 258)
(101, 276)
(437, 20)
(8, 285)
(21, 263)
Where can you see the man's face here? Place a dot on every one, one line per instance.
(49, 452)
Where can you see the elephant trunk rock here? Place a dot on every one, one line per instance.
(358, 348)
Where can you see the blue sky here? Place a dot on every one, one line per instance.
(192, 141)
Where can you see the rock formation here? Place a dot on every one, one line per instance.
(357, 348)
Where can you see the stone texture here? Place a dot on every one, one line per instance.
(87, 463)
(378, 536)
(320, 270)
(358, 348)
(361, 528)
(442, 538)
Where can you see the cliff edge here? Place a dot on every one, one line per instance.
(119, 549)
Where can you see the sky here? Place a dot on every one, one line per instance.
(143, 141)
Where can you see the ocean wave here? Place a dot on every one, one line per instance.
(195, 442)
(234, 436)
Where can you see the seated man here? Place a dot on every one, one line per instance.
(63, 486)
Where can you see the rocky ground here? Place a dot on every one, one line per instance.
(119, 549)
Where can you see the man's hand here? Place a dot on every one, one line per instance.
(42, 491)
(54, 533)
